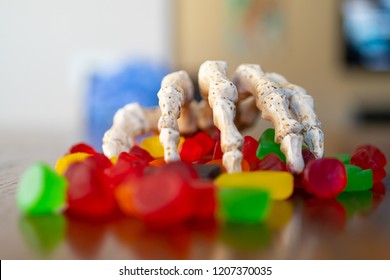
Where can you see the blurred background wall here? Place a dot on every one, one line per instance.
(304, 43)
(48, 48)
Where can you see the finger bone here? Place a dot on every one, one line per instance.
(222, 96)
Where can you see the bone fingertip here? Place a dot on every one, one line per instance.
(291, 146)
(171, 156)
(314, 138)
(112, 149)
(318, 150)
(296, 166)
(232, 161)
(107, 151)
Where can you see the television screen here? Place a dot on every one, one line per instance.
(366, 33)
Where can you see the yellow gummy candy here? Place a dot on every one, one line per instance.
(154, 147)
(279, 184)
(63, 163)
(114, 159)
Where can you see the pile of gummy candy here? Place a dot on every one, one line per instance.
(140, 184)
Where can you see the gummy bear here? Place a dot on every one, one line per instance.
(375, 154)
(82, 148)
(267, 145)
(325, 177)
(364, 159)
(41, 190)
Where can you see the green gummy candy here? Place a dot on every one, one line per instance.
(243, 205)
(41, 190)
(358, 179)
(267, 145)
(344, 158)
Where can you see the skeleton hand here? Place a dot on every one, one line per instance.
(177, 92)
(287, 106)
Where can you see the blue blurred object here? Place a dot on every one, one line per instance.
(366, 26)
(134, 82)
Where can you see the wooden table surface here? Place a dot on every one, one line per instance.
(355, 226)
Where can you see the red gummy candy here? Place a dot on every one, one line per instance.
(191, 150)
(214, 133)
(379, 188)
(133, 162)
(307, 156)
(205, 141)
(271, 162)
(127, 167)
(217, 150)
(128, 158)
(325, 177)
(186, 170)
(298, 181)
(163, 199)
(249, 150)
(204, 198)
(375, 154)
(364, 160)
(89, 193)
(119, 173)
(99, 161)
(141, 153)
(82, 148)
